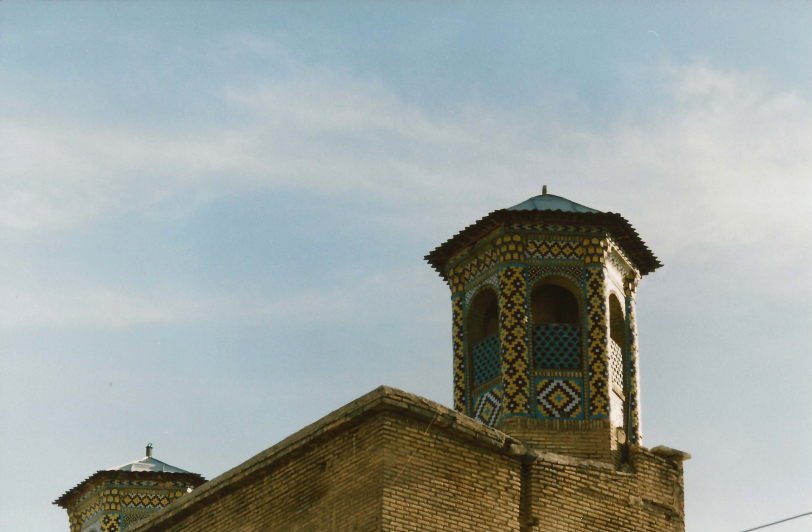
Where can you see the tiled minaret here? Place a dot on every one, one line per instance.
(544, 331)
(111, 500)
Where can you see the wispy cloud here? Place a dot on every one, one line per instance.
(723, 159)
(49, 299)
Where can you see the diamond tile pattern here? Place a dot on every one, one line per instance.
(489, 406)
(560, 398)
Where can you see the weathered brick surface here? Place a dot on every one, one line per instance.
(572, 495)
(587, 439)
(392, 461)
(433, 481)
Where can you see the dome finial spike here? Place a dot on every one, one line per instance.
(149, 450)
(544, 190)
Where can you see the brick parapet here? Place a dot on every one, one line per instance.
(395, 461)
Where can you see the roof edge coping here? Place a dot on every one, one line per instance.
(382, 398)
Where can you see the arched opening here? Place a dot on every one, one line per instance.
(554, 304)
(617, 342)
(617, 321)
(556, 326)
(483, 338)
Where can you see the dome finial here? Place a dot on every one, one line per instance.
(149, 450)
(544, 190)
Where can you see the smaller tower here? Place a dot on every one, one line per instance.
(544, 329)
(114, 499)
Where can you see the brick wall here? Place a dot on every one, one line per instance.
(572, 495)
(332, 481)
(391, 461)
(587, 439)
(434, 481)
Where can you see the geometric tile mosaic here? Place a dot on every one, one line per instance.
(145, 500)
(513, 338)
(461, 274)
(492, 281)
(489, 406)
(556, 346)
(485, 360)
(109, 523)
(597, 343)
(560, 398)
(634, 430)
(615, 365)
(554, 249)
(573, 273)
(459, 354)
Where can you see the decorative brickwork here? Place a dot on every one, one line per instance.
(560, 398)
(511, 248)
(461, 274)
(556, 228)
(595, 250)
(116, 499)
(513, 338)
(633, 368)
(485, 360)
(555, 249)
(597, 367)
(538, 271)
(556, 346)
(616, 365)
(489, 406)
(459, 354)
(491, 281)
(110, 523)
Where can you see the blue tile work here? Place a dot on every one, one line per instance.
(485, 357)
(556, 346)
(560, 398)
(488, 408)
(633, 375)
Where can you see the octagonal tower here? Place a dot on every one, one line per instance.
(544, 330)
(113, 500)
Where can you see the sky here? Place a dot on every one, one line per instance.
(213, 217)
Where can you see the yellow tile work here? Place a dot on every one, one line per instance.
(598, 345)
(513, 339)
(459, 354)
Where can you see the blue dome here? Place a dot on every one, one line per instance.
(550, 202)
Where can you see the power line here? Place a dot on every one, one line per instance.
(777, 522)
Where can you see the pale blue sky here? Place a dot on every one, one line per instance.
(213, 217)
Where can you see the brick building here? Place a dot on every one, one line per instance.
(545, 434)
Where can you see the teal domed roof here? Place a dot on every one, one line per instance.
(553, 210)
(550, 202)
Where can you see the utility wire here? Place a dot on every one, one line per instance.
(777, 522)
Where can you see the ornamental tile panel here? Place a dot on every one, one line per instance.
(513, 339)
